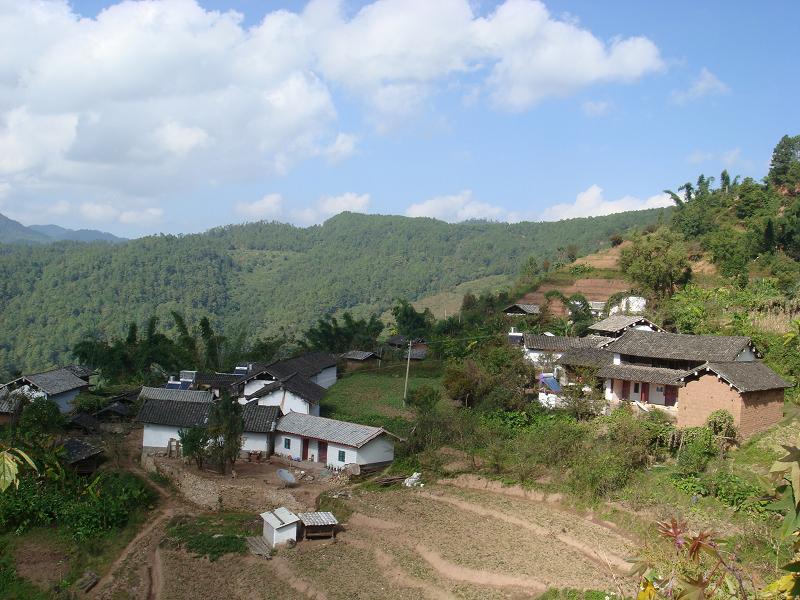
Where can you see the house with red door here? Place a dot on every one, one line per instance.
(333, 443)
(691, 376)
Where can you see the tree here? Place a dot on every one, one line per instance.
(410, 322)
(225, 428)
(656, 262)
(784, 170)
(332, 336)
(194, 443)
(212, 344)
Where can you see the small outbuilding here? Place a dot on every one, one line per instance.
(317, 525)
(280, 526)
(358, 359)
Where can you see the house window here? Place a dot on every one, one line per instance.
(660, 389)
(287, 443)
(636, 388)
(341, 455)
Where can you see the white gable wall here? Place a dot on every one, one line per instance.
(289, 402)
(379, 450)
(255, 442)
(326, 378)
(158, 436)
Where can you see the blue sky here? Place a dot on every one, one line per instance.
(178, 116)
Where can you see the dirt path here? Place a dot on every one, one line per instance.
(282, 569)
(603, 559)
(476, 577)
(396, 574)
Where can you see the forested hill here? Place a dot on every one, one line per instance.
(14, 232)
(261, 277)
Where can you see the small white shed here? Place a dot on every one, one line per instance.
(280, 526)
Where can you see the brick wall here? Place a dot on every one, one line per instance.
(760, 410)
(752, 412)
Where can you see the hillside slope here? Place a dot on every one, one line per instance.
(59, 234)
(263, 277)
(14, 232)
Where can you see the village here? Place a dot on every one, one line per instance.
(309, 482)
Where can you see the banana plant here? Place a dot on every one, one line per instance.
(10, 461)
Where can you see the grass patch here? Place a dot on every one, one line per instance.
(570, 594)
(161, 480)
(337, 506)
(213, 535)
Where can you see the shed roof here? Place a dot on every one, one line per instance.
(641, 373)
(9, 401)
(152, 393)
(317, 519)
(619, 323)
(745, 376)
(330, 430)
(76, 450)
(557, 343)
(176, 413)
(416, 353)
(85, 421)
(530, 309)
(80, 371)
(359, 355)
(114, 408)
(56, 381)
(678, 346)
(280, 517)
(260, 419)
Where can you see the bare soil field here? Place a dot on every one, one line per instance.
(439, 542)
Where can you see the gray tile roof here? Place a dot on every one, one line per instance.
(80, 371)
(745, 376)
(260, 419)
(641, 373)
(530, 309)
(56, 381)
(677, 346)
(76, 450)
(586, 357)
(295, 383)
(114, 408)
(177, 413)
(317, 519)
(557, 343)
(152, 393)
(85, 421)
(329, 430)
(216, 380)
(618, 323)
(9, 402)
(358, 355)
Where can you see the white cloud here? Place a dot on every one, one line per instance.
(146, 216)
(270, 206)
(705, 84)
(59, 208)
(590, 203)
(458, 207)
(96, 211)
(328, 206)
(596, 108)
(151, 98)
(728, 158)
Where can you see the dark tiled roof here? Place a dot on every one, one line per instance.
(84, 421)
(115, 408)
(745, 376)
(617, 323)
(176, 395)
(586, 357)
(76, 450)
(359, 355)
(177, 413)
(308, 365)
(297, 384)
(557, 343)
(80, 371)
(677, 346)
(530, 309)
(260, 419)
(397, 340)
(640, 373)
(330, 430)
(9, 401)
(216, 380)
(56, 381)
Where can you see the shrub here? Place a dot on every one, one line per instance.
(599, 472)
(734, 491)
(721, 424)
(690, 484)
(697, 449)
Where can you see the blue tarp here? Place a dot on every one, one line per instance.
(551, 383)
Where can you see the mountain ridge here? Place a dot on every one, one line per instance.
(14, 232)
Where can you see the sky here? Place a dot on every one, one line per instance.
(181, 115)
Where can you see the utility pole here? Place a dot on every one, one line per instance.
(408, 368)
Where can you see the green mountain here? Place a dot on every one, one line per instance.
(60, 234)
(14, 232)
(261, 278)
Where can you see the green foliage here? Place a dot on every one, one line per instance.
(194, 443)
(85, 509)
(690, 484)
(656, 262)
(214, 535)
(696, 450)
(269, 279)
(352, 334)
(736, 492)
(784, 168)
(721, 424)
(410, 322)
(40, 419)
(225, 428)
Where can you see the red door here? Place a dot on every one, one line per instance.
(323, 452)
(670, 395)
(626, 390)
(645, 392)
(305, 448)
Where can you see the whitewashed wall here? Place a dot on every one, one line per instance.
(379, 450)
(281, 535)
(158, 436)
(289, 402)
(296, 449)
(326, 378)
(255, 442)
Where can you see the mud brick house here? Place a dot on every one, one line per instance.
(691, 376)
(360, 359)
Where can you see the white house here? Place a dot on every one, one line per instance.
(291, 394)
(334, 443)
(60, 385)
(280, 526)
(544, 350)
(165, 412)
